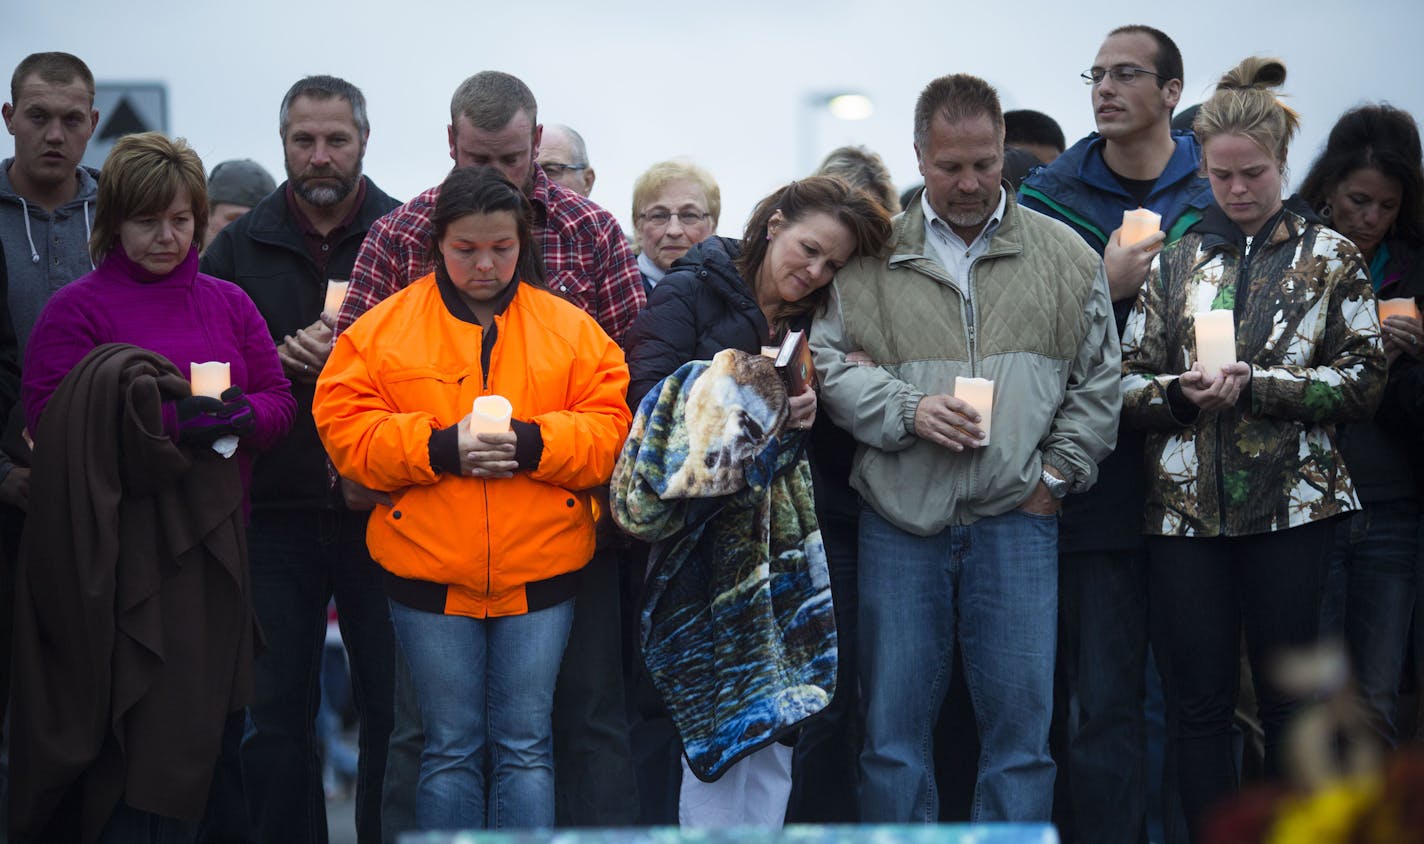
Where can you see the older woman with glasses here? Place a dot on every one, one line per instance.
(675, 207)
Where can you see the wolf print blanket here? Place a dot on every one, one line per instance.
(736, 625)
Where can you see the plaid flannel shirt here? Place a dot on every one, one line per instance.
(586, 256)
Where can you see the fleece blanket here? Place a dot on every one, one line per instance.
(736, 625)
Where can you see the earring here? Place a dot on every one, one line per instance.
(1325, 212)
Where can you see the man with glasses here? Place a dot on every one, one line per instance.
(564, 159)
(1133, 160)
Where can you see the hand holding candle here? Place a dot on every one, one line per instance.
(1138, 225)
(978, 393)
(210, 379)
(1399, 327)
(1216, 341)
(489, 450)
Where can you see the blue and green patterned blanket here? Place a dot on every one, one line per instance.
(736, 626)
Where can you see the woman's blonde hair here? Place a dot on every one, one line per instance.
(142, 175)
(664, 173)
(861, 167)
(1244, 104)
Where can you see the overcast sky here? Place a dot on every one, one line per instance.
(722, 83)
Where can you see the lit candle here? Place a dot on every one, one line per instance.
(978, 393)
(1138, 225)
(211, 378)
(490, 415)
(1398, 307)
(335, 296)
(1216, 341)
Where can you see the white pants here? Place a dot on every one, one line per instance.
(753, 792)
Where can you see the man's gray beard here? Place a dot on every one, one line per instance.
(323, 196)
(964, 219)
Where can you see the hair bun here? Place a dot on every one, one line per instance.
(1254, 72)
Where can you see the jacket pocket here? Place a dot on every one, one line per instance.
(429, 389)
(438, 533)
(540, 530)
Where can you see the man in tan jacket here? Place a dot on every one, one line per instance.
(959, 539)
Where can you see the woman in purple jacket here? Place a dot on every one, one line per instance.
(135, 763)
(146, 290)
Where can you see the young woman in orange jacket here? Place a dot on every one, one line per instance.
(484, 533)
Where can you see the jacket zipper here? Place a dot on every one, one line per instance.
(486, 364)
(1243, 271)
(973, 349)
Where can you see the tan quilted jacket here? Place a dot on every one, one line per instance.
(1033, 315)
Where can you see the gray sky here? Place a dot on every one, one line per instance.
(723, 84)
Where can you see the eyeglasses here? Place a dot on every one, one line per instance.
(1125, 74)
(554, 170)
(661, 217)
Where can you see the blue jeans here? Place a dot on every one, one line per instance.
(300, 559)
(1102, 617)
(1369, 599)
(995, 584)
(596, 782)
(485, 688)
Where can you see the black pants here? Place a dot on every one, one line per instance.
(1204, 592)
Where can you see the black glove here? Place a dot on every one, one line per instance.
(202, 420)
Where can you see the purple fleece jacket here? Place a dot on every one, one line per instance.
(185, 316)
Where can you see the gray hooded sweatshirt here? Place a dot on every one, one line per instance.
(43, 252)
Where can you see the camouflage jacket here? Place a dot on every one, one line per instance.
(1306, 323)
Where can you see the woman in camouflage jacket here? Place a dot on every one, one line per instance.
(1244, 474)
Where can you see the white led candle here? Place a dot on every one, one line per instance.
(1398, 307)
(978, 393)
(1138, 225)
(1216, 341)
(490, 415)
(211, 378)
(335, 296)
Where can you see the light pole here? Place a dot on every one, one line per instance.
(842, 105)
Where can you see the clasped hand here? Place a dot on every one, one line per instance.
(304, 354)
(203, 420)
(486, 455)
(1215, 391)
(1402, 335)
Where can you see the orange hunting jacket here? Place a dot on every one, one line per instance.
(461, 545)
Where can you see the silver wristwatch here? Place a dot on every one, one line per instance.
(1057, 487)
